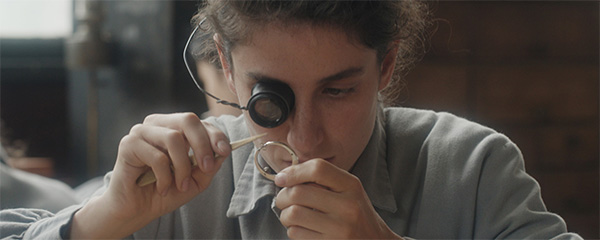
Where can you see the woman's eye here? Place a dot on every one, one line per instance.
(337, 91)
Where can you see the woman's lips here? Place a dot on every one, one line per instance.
(289, 162)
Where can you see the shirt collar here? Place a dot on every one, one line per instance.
(370, 168)
(249, 189)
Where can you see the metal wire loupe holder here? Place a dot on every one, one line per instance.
(264, 171)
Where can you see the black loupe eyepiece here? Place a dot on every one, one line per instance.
(271, 103)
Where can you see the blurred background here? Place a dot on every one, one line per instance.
(529, 70)
(76, 75)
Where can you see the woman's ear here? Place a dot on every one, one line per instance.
(227, 70)
(388, 66)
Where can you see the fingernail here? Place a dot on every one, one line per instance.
(185, 184)
(223, 146)
(165, 192)
(193, 157)
(280, 179)
(208, 163)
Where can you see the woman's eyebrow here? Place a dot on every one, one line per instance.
(258, 77)
(350, 72)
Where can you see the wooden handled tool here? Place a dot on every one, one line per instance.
(148, 177)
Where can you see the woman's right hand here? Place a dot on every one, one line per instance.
(160, 142)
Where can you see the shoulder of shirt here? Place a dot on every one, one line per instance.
(440, 129)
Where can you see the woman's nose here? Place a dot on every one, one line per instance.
(306, 130)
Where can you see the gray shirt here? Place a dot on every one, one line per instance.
(20, 189)
(428, 175)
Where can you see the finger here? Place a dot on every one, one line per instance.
(158, 161)
(218, 139)
(202, 180)
(331, 212)
(298, 232)
(203, 139)
(317, 199)
(320, 172)
(219, 144)
(296, 215)
(173, 145)
(308, 195)
(195, 133)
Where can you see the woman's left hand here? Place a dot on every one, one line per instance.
(320, 200)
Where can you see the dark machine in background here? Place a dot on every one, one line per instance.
(89, 50)
(72, 100)
(144, 76)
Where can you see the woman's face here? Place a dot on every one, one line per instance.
(335, 82)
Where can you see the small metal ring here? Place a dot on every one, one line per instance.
(280, 144)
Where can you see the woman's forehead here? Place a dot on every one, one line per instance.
(294, 50)
(300, 40)
(306, 31)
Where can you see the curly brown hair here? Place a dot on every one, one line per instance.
(377, 24)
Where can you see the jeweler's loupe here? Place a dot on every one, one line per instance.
(273, 152)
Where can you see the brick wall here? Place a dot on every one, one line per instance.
(529, 70)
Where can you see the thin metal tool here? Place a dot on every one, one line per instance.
(149, 177)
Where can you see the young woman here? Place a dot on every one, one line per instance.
(364, 171)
